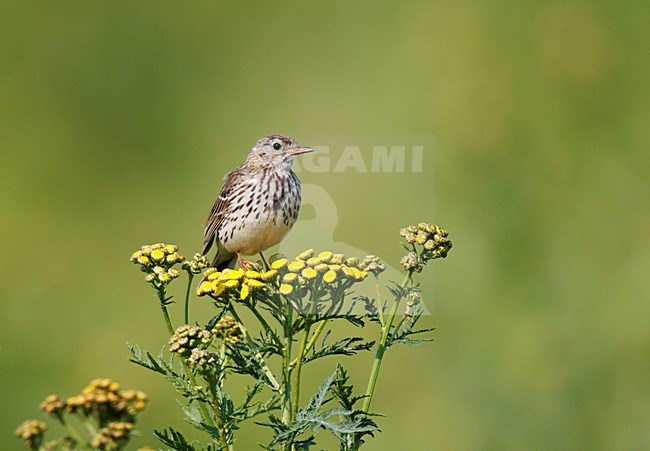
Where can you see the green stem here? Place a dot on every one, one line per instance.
(267, 371)
(298, 369)
(301, 354)
(380, 314)
(381, 347)
(264, 323)
(90, 427)
(205, 414)
(312, 341)
(74, 434)
(286, 367)
(187, 298)
(163, 306)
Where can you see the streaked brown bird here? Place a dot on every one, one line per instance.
(258, 203)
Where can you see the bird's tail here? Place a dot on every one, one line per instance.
(224, 260)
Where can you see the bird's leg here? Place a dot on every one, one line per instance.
(243, 264)
(266, 264)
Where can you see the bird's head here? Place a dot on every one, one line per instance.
(276, 149)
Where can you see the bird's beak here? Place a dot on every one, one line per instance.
(300, 149)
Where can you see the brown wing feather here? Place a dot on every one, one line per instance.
(219, 209)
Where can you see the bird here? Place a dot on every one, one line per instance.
(257, 205)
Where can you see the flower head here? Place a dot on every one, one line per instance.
(309, 272)
(115, 434)
(428, 242)
(31, 432)
(157, 260)
(412, 262)
(52, 404)
(196, 265)
(233, 282)
(323, 272)
(373, 265)
(186, 338)
(202, 357)
(228, 330)
(102, 399)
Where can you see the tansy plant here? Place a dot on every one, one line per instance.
(293, 305)
(105, 412)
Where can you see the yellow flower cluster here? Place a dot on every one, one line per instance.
(186, 338)
(31, 431)
(309, 269)
(373, 265)
(218, 283)
(100, 396)
(157, 260)
(412, 262)
(434, 239)
(112, 436)
(295, 276)
(197, 264)
(202, 357)
(228, 330)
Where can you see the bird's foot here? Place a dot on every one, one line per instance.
(247, 265)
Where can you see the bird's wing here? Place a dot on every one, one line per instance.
(220, 209)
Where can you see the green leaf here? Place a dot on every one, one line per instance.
(174, 439)
(346, 346)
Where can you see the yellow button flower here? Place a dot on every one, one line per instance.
(309, 273)
(231, 274)
(296, 266)
(347, 271)
(205, 287)
(325, 256)
(218, 289)
(330, 276)
(279, 264)
(214, 275)
(352, 261)
(286, 289)
(304, 255)
(253, 283)
(269, 275)
(290, 278)
(157, 255)
(313, 261)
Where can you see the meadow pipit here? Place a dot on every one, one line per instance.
(258, 203)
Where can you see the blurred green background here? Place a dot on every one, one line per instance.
(119, 119)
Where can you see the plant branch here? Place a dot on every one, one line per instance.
(163, 305)
(312, 340)
(267, 371)
(264, 323)
(187, 298)
(286, 367)
(205, 414)
(301, 355)
(381, 347)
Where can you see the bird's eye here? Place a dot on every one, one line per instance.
(277, 146)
